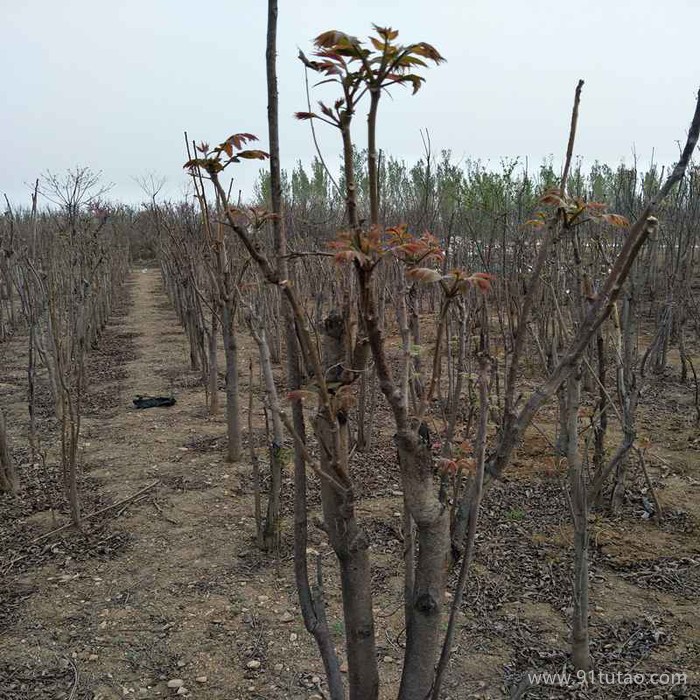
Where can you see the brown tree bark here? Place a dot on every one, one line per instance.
(213, 375)
(348, 539)
(8, 475)
(580, 650)
(233, 453)
(310, 600)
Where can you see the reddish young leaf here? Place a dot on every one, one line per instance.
(387, 33)
(449, 466)
(427, 51)
(615, 220)
(465, 447)
(209, 164)
(253, 155)
(334, 38)
(424, 274)
(482, 280)
(466, 464)
(409, 60)
(398, 234)
(415, 80)
(301, 395)
(553, 198)
(239, 140)
(305, 115)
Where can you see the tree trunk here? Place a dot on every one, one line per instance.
(310, 601)
(350, 545)
(233, 425)
(474, 505)
(8, 475)
(213, 368)
(580, 652)
(433, 537)
(272, 529)
(349, 541)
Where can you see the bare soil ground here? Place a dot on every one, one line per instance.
(170, 585)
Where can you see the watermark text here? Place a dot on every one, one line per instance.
(566, 679)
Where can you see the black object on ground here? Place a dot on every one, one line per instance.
(153, 401)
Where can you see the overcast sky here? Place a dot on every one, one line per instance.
(113, 85)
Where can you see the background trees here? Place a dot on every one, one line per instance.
(65, 266)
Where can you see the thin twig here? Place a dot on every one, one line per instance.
(572, 136)
(76, 680)
(156, 505)
(309, 253)
(659, 512)
(36, 540)
(313, 134)
(298, 442)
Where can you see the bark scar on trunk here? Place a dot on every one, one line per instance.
(427, 604)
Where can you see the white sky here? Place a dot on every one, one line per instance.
(113, 85)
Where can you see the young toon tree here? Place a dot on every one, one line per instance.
(568, 213)
(67, 265)
(273, 519)
(360, 72)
